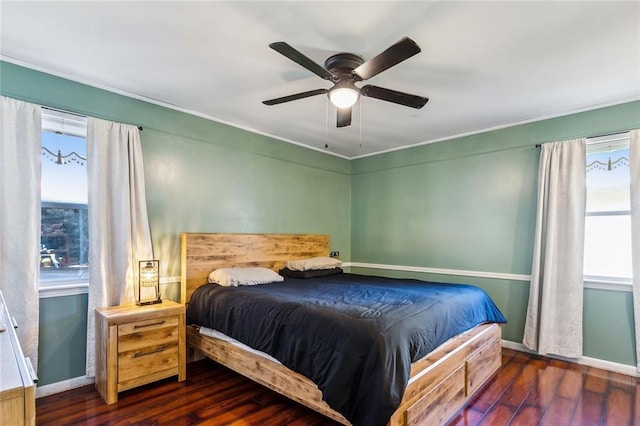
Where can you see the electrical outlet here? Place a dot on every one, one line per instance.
(334, 254)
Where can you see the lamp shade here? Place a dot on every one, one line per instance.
(148, 289)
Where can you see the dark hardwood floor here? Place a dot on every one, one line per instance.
(528, 390)
(532, 390)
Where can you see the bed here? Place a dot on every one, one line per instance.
(440, 383)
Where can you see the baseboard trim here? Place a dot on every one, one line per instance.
(63, 386)
(615, 367)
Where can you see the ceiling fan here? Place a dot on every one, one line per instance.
(346, 69)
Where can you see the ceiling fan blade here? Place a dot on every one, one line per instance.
(296, 56)
(344, 117)
(295, 97)
(404, 49)
(394, 96)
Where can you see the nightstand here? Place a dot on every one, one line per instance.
(136, 345)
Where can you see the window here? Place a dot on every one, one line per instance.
(607, 254)
(64, 236)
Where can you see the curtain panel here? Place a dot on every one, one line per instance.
(118, 221)
(554, 314)
(20, 159)
(634, 151)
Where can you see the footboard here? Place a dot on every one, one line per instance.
(445, 380)
(441, 383)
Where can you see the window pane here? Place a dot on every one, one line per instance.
(64, 245)
(608, 190)
(608, 246)
(64, 238)
(65, 183)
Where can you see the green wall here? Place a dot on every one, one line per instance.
(201, 176)
(466, 212)
(466, 204)
(197, 186)
(469, 204)
(608, 326)
(63, 337)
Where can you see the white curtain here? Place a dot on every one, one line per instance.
(20, 154)
(634, 149)
(554, 315)
(118, 222)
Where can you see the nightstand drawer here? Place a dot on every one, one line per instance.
(152, 324)
(163, 331)
(151, 361)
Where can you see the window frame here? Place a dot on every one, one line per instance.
(603, 282)
(54, 120)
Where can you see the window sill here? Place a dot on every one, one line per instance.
(608, 283)
(63, 290)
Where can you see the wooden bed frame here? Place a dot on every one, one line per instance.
(441, 383)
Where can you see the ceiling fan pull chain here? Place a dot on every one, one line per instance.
(326, 123)
(361, 111)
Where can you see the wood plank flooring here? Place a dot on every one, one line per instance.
(527, 390)
(532, 390)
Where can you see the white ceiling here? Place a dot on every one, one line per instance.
(483, 64)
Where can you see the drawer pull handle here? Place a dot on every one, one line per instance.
(155, 351)
(149, 325)
(32, 372)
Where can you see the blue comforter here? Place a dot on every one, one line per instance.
(355, 336)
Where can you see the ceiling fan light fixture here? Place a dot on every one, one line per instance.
(344, 70)
(344, 97)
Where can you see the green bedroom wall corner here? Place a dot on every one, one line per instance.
(63, 338)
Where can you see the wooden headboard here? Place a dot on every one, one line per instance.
(202, 253)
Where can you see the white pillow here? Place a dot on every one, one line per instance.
(233, 277)
(313, 263)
